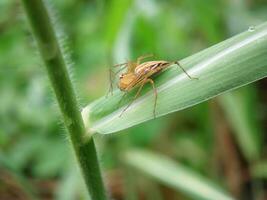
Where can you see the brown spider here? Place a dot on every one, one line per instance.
(138, 74)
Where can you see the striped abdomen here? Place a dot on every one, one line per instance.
(152, 67)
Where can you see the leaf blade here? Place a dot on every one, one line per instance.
(174, 175)
(228, 65)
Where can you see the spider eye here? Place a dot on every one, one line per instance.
(121, 76)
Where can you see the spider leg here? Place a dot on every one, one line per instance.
(110, 89)
(131, 66)
(155, 94)
(122, 97)
(178, 64)
(112, 75)
(139, 59)
(136, 95)
(134, 82)
(119, 65)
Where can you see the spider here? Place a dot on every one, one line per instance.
(138, 74)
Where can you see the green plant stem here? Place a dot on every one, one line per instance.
(57, 71)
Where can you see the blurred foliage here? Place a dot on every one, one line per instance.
(99, 34)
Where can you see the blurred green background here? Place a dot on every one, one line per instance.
(223, 139)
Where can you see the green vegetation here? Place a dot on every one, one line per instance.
(212, 150)
(57, 71)
(225, 66)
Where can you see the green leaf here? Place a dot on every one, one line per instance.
(230, 64)
(174, 175)
(239, 108)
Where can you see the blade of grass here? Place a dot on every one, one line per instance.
(230, 64)
(239, 108)
(174, 175)
(55, 64)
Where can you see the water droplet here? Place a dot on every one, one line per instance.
(251, 29)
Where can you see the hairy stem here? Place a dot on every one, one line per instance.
(57, 71)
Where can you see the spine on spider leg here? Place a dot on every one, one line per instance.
(55, 64)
